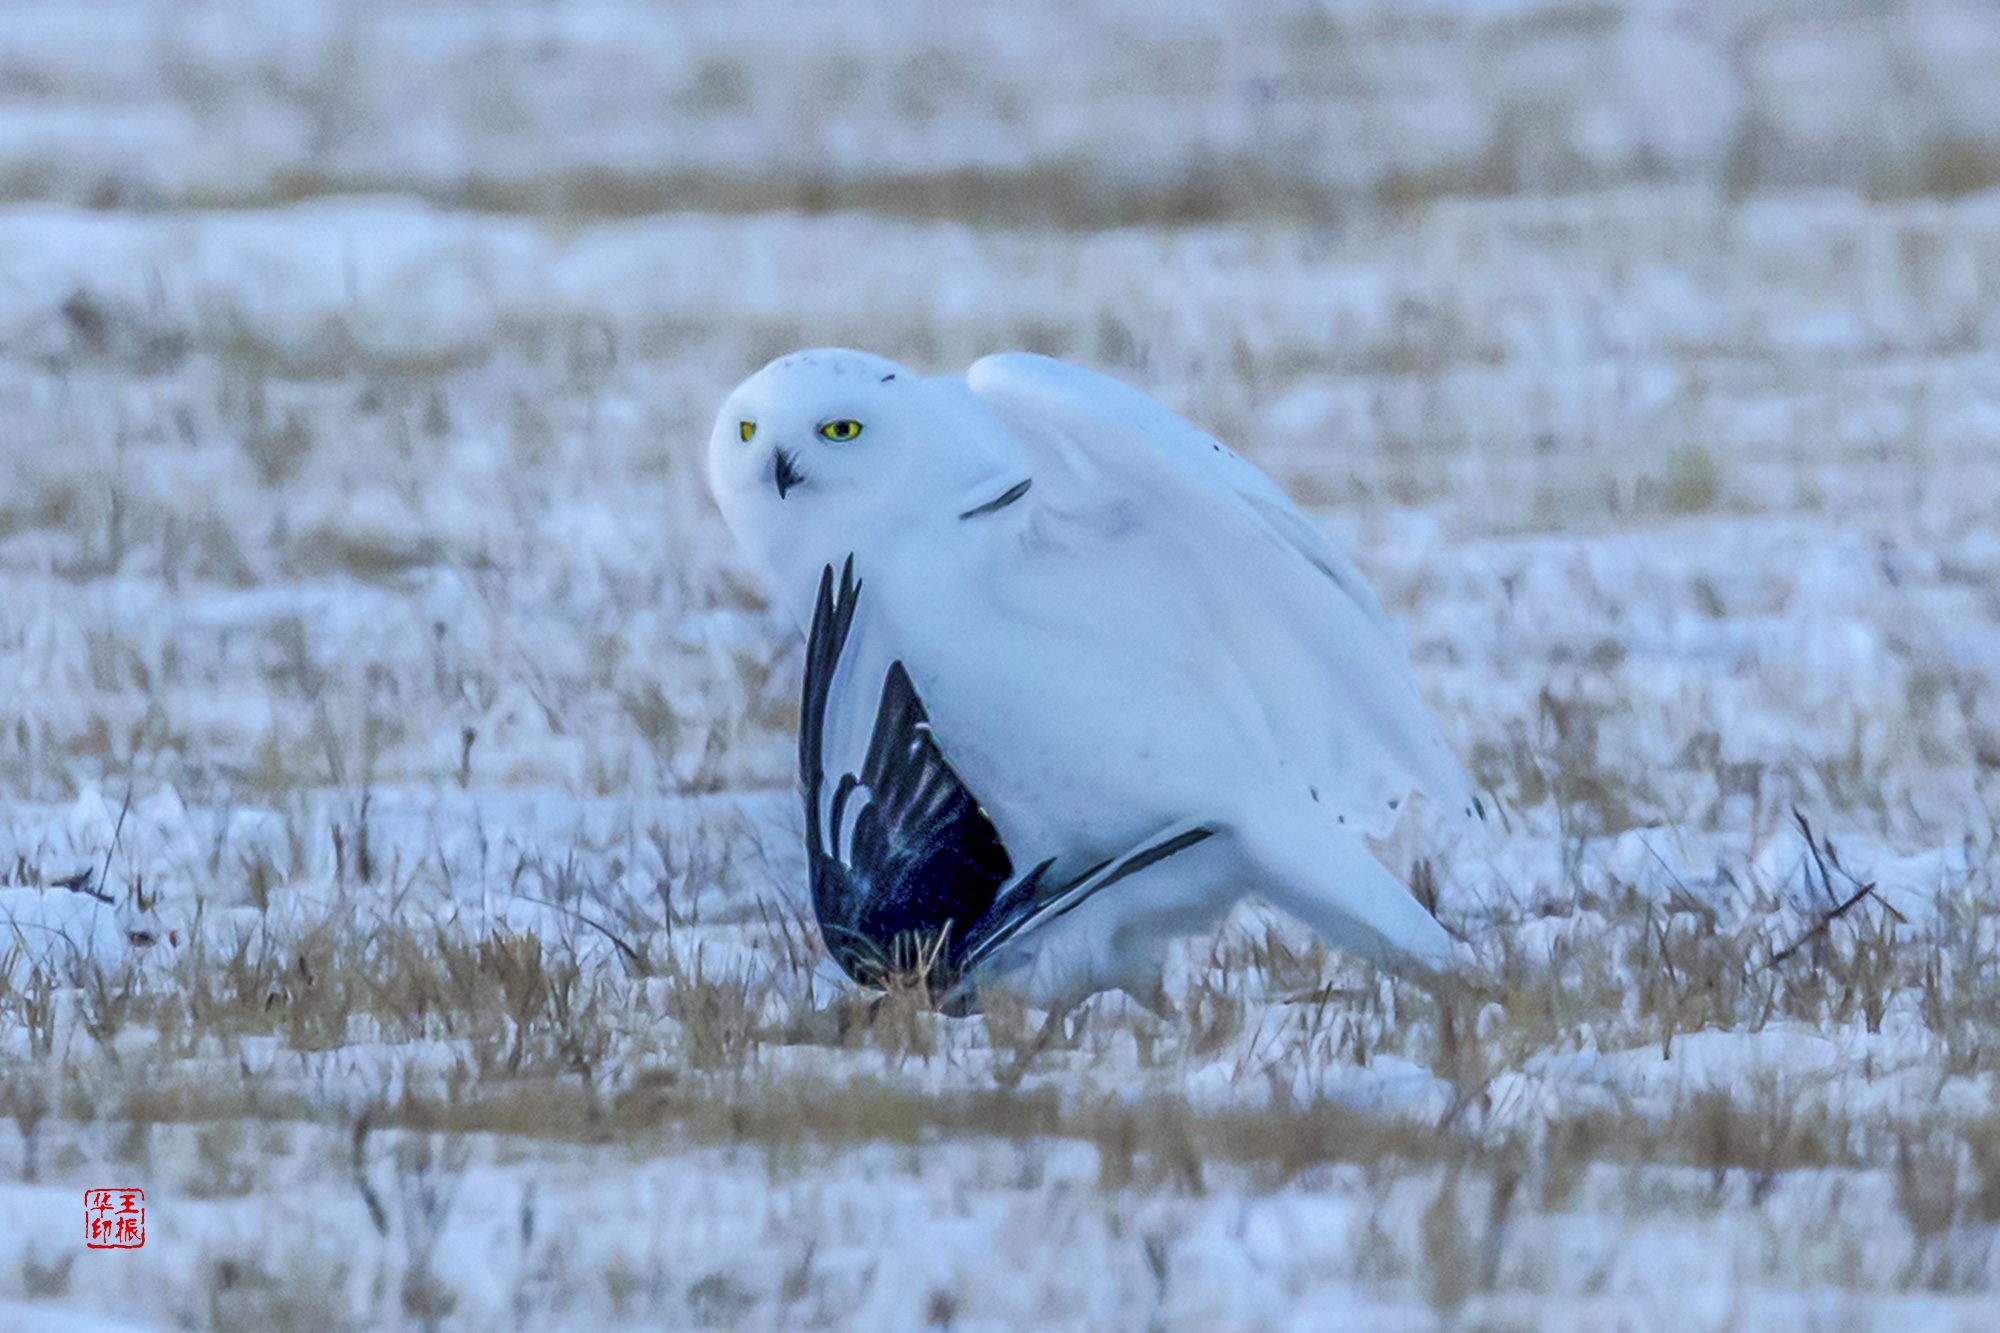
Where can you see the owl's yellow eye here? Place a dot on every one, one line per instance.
(745, 429)
(840, 432)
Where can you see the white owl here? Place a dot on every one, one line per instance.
(1059, 627)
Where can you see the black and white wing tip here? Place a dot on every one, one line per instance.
(1026, 907)
(909, 876)
(902, 858)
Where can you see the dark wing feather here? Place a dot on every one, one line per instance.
(925, 878)
(832, 618)
(922, 860)
(1027, 906)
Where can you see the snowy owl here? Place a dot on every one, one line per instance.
(1051, 623)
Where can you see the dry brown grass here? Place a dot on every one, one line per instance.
(688, 1047)
(633, 1037)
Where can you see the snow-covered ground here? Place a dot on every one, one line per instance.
(399, 871)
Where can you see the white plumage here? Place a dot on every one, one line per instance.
(1118, 629)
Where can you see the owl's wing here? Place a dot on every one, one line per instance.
(1043, 387)
(1028, 904)
(902, 859)
(1294, 616)
(906, 869)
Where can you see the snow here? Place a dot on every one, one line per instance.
(355, 368)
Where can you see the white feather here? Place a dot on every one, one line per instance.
(1097, 417)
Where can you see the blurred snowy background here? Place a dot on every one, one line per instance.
(398, 873)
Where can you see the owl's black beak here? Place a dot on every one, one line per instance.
(784, 471)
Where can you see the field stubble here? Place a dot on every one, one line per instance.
(398, 858)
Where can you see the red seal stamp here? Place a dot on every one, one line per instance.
(114, 1219)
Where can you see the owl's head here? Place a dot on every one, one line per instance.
(831, 452)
